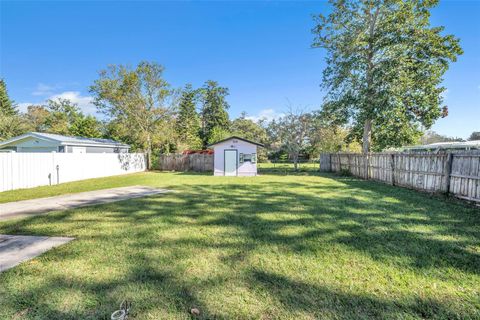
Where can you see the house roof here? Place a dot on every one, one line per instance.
(65, 140)
(474, 144)
(238, 138)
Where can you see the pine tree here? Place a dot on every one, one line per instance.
(11, 123)
(214, 113)
(188, 121)
(7, 108)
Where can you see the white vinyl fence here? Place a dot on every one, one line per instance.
(28, 170)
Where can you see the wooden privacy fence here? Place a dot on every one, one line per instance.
(454, 173)
(185, 162)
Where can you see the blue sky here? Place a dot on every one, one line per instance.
(259, 50)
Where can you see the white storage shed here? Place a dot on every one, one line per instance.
(235, 156)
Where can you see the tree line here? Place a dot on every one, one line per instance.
(140, 108)
(434, 137)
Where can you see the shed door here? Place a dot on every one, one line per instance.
(230, 162)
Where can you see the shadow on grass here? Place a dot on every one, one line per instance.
(148, 288)
(389, 225)
(318, 301)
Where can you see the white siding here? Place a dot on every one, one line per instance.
(36, 149)
(244, 169)
(79, 150)
(27, 170)
(36, 144)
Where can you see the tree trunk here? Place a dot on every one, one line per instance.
(367, 132)
(370, 107)
(295, 161)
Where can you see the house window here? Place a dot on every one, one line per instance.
(248, 157)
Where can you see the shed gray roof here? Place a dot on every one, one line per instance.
(67, 140)
(238, 138)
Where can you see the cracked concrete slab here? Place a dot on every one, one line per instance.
(17, 249)
(26, 208)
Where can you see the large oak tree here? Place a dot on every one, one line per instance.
(385, 64)
(136, 100)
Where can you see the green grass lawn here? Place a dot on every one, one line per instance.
(300, 246)
(287, 167)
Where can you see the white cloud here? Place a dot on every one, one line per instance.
(22, 107)
(43, 90)
(267, 114)
(84, 102)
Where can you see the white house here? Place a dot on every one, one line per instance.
(48, 142)
(235, 156)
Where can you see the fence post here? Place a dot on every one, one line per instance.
(349, 165)
(366, 165)
(13, 160)
(448, 174)
(392, 161)
(54, 169)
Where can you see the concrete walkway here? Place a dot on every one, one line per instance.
(33, 207)
(16, 249)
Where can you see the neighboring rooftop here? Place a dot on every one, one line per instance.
(464, 145)
(67, 140)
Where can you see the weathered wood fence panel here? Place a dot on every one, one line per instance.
(379, 167)
(455, 173)
(325, 164)
(465, 176)
(358, 165)
(426, 172)
(185, 162)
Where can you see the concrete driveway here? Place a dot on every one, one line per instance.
(16, 249)
(26, 208)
